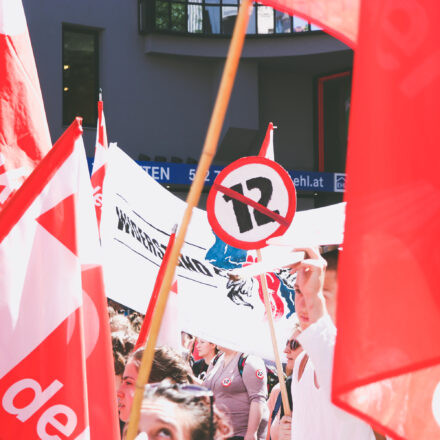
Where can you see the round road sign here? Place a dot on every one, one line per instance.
(251, 200)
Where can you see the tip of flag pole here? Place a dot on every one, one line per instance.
(173, 231)
(100, 94)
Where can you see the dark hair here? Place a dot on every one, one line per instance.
(332, 259)
(167, 364)
(202, 425)
(118, 346)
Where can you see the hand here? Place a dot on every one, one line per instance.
(310, 282)
(285, 428)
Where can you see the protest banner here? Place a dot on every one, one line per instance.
(24, 133)
(242, 221)
(208, 153)
(138, 217)
(54, 321)
(236, 217)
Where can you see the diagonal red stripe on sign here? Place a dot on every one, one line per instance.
(246, 200)
(60, 222)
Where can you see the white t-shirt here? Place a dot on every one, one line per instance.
(314, 417)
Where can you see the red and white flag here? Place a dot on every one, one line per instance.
(169, 333)
(24, 133)
(100, 161)
(387, 357)
(339, 18)
(45, 303)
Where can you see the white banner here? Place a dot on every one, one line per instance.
(137, 218)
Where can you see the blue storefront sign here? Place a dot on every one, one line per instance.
(169, 173)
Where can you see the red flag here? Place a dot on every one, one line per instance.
(48, 320)
(387, 357)
(43, 375)
(146, 324)
(24, 134)
(101, 387)
(100, 161)
(267, 150)
(337, 17)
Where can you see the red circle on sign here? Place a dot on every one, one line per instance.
(286, 221)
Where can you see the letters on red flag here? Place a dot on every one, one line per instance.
(387, 358)
(24, 134)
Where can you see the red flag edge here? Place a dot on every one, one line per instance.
(38, 179)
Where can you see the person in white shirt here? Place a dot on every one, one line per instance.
(314, 417)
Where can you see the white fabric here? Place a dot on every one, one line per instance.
(314, 417)
(138, 215)
(34, 267)
(12, 18)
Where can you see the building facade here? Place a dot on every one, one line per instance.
(159, 64)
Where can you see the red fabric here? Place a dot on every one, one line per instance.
(41, 313)
(45, 365)
(337, 17)
(387, 357)
(146, 324)
(52, 329)
(100, 161)
(36, 182)
(267, 149)
(101, 387)
(24, 133)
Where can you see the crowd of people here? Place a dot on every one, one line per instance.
(205, 391)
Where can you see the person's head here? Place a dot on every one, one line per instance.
(118, 357)
(187, 341)
(181, 412)
(329, 290)
(119, 323)
(167, 364)
(293, 349)
(136, 321)
(207, 350)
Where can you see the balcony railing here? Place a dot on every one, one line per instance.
(214, 18)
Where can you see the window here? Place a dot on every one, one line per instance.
(213, 17)
(334, 93)
(80, 74)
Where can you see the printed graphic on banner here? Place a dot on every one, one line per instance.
(251, 200)
(138, 216)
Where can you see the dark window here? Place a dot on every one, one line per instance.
(214, 17)
(80, 74)
(334, 93)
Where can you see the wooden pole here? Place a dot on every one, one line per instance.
(208, 153)
(280, 372)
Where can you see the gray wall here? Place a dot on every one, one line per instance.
(159, 90)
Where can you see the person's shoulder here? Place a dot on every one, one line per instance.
(253, 362)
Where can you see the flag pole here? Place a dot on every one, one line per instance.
(280, 371)
(208, 153)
